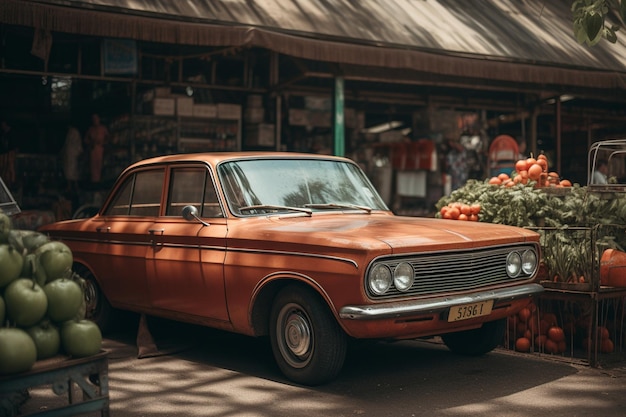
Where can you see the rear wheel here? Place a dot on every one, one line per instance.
(476, 342)
(308, 344)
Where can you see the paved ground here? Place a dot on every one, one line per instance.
(218, 374)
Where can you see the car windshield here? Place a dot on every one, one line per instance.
(281, 185)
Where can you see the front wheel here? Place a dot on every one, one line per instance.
(308, 344)
(476, 342)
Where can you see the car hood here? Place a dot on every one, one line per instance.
(383, 232)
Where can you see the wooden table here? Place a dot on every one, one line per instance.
(66, 376)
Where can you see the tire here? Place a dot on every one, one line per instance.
(476, 342)
(308, 344)
(97, 309)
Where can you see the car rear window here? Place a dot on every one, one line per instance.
(139, 195)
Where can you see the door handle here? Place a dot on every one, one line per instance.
(105, 229)
(154, 232)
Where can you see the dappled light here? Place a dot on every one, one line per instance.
(222, 374)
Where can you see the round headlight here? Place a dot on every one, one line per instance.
(529, 262)
(380, 279)
(513, 264)
(403, 276)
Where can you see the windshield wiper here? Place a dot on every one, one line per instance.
(276, 208)
(338, 206)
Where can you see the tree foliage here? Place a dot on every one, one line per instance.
(593, 20)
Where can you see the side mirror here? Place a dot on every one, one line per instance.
(190, 213)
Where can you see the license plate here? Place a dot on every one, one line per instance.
(469, 311)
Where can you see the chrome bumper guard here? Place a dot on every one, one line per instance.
(435, 305)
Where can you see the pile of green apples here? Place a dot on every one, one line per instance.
(42, 302)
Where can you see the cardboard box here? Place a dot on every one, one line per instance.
(228, 111)
(298, 117)
(320, 118)
(254, 115)
(162, 92)
(207, 111)
(254, 100)
(260, 135)
(184, 106)
(318, 103)
(163, 106)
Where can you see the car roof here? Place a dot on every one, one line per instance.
(215, 158)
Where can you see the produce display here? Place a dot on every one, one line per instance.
(531, 170)
(546, 332)
(577, 227)
(566, 221)
(42, 304)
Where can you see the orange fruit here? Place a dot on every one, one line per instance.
(522, 345)
(607, 346)
(556, 333)
(524, 314)
(534, 172)
(503, 177)
(543, 163)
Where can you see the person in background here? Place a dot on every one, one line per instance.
(72, 149)
(599, 176)
(8, 151)
(456, 164)
(96, 137)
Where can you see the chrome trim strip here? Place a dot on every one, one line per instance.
(222, 248)
(308, 255)
(411, 308)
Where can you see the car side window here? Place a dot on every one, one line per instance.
(192, 186)
(146, 199)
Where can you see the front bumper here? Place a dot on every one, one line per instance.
(435, 305)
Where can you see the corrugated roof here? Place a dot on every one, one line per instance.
(470, 38)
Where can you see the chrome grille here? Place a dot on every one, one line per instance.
(458, 271)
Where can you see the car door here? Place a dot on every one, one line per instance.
(123, 235)
(185, 265)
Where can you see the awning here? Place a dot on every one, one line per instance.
(527, 41)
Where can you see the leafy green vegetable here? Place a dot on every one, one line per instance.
(576, 224)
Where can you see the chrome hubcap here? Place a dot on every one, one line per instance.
(297, 334)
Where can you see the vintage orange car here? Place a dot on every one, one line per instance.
(301, 248)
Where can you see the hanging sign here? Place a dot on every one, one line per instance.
(120, 56)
